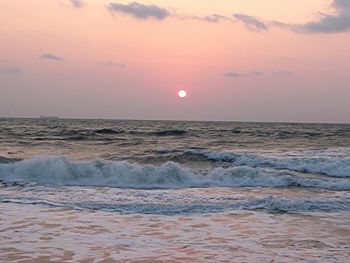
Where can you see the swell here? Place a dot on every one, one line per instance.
(169, 133)
(103, 134)
(92, 134)
(58, 170)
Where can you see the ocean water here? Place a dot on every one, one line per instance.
(168, 191)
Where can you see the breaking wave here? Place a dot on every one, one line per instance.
(59, 170)
(269, 204)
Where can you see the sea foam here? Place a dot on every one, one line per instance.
(60, 170)
(327, 165)
(270, 204)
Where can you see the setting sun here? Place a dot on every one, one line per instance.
(182, 93)
(171, 131)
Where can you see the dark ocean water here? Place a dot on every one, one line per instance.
(269, 161)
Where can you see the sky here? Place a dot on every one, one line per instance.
(238, 60)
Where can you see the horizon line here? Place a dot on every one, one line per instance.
(178, 120)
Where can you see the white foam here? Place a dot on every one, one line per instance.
(270, 203)
(299, 205)
(58, 170)
(328, 165)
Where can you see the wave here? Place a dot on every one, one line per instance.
(8, 160)
(169, 133)
(85, 133)
(93, 134)
(330, 166)
(269, 204)
(107, 131)
(59, 170)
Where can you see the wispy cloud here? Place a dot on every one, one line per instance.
(77, 3)
(236, 75)
(252, 23)
(48, 56)
(140, 11)
(146, 12)
(10, 70)
(111, 64)
(282, 73)
(72, 3)
(214, 18)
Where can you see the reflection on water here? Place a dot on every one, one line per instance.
(34, 233)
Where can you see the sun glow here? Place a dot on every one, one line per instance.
(182, 93)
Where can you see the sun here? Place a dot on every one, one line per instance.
(182, 93)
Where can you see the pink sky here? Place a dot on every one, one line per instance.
(248, 60)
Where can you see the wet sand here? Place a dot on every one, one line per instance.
(34, 233)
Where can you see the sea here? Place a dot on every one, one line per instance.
(173, 191)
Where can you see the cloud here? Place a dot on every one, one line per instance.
(337, 22)
(258, 25)
(252, 23)
(10, 70)
(145, 12)
(214, 18)
(282, 73)
(72, 3)
(48, 56)
(236, 75)
(140, 11)
(77, 3)
(232, 75)
(110, 63)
